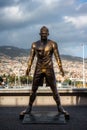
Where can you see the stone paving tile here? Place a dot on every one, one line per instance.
(9, 119)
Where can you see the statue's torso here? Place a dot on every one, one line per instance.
(44, 54)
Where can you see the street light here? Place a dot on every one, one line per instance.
(15, 80)
(83, 68)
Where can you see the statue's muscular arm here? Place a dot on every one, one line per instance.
(57, 56)
(31, 58)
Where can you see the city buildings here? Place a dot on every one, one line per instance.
(18, 65)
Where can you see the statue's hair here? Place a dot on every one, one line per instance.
(44, 28)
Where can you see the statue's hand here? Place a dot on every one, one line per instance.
(27, 71)
(62, 73)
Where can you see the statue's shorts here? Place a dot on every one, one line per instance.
(46, 75)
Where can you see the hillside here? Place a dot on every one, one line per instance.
(12, 52)
(71, 58)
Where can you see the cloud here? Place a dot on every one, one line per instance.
(21, 20)
(47, 2)
(79, 22)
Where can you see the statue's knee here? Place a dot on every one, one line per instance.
(32, 96)
(56, 97)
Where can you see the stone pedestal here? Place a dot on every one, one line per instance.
(44, 118)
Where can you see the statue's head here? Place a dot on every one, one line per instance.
(44, 30)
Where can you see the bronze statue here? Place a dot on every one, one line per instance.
(44, 50)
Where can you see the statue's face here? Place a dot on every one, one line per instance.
(44, 34)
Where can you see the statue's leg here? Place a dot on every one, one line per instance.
(29, 107)
(36, 80)
(56, 97)
(32, 98)
(50, 76)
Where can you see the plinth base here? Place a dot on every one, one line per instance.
(44, 117)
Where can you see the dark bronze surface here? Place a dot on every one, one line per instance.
(44, 49)
(44, 65)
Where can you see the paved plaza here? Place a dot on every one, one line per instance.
(9, 119)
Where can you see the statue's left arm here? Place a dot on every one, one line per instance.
(31, 58)
(57, 56)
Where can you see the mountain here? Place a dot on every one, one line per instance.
(71, 58)
(12, 52)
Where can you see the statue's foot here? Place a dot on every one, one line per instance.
(21, 115)
(26, 111)
(67, 116)
(62, 111)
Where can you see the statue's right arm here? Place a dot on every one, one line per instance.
(31, 58)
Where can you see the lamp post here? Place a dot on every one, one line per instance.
(19, 81)
(15, 80)
(83, 68)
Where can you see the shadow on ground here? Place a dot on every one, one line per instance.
(9, 119)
